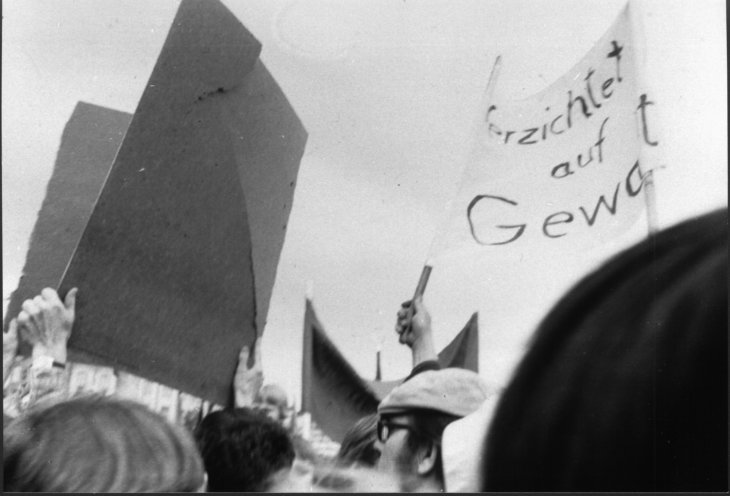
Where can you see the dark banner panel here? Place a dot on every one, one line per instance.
(89, 143)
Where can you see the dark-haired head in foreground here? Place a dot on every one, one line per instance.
(97, 444)
(625, 385)
(243, 450)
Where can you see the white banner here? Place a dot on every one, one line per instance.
(561, 169)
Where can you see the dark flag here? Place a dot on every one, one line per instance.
(176, 263)
(463, 350)
(332, 392)
(89, 143)
(337, 397)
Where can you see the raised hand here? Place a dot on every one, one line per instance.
(413, 322)
(10, 347)
(248, 381)
(413, 325)
(46, 322)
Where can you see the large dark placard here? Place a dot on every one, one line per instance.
(268, 142)
(89, 143)
(165, 267)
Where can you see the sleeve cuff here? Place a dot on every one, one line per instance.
(45, 362)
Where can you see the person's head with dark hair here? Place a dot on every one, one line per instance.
(412, 419)
(358, 445)
(96, 444)
(624, 387)
(243, 450)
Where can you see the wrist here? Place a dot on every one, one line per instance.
(46, 362)
(423, 350)
(57, 353)
(243, 400)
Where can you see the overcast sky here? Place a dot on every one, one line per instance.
(388, 91)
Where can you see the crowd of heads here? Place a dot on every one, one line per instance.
(623, 388)
(97, 444)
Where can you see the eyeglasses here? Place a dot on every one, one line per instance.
(386, 428)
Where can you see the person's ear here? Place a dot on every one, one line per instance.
(427, 457)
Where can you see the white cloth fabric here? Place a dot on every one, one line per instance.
(462, 448)
(454, 391)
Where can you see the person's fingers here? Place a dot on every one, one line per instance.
(424, 318)
(27, 335)
(418, 305)
(70, 300)
(38, 305)
(50, 296)
(404, 313)
(257, 354)
(404, 319)
(32, 329)
(23, 319)
(408, 318)
(10, 337)
(30, 307)
(40, 301)
(243, 356)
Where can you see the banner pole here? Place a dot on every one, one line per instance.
(652, 220)
(638, 37)
(426, 271)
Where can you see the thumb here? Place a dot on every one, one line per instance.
(12, 331)
(70, 300)
(418, 305)
(243, 357)
(257, 354)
